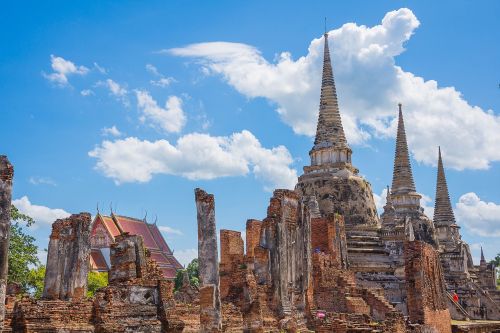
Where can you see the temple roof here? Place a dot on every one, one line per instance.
(329, 132)
(443, 212)
(151, 235)
(402, 178)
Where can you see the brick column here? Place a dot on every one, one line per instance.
(68, 258)
(6, 174)
(208, 261)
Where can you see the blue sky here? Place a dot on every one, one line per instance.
(135, 104)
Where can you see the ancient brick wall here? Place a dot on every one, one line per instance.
(252, 236)
(128, 258)
(68, 258)
(427, 304)
(328, 236)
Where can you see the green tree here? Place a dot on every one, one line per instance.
(193, 273)
(35, 281)
(496, 260)
(96, 280)
(22, 250)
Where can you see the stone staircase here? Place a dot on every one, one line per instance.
(367, 253)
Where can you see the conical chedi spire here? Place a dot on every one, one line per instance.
(443, 212)
(329, 131)
(483, 261)
(402, 178)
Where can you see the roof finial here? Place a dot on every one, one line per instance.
(111, 207)
(98, 213)
(145, 216)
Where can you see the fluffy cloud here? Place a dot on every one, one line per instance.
(86, 92)
(63, 68)
(162, 80)
(111, 131)
(480, 217)
(170, 119)
(116, 90)
(40, 214)
(195, 156)
(370, 85)
(42, 181)
(186, 256)
(169, 230)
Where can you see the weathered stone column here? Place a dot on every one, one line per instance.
(6, 174)
(68, 258)
(208, 263)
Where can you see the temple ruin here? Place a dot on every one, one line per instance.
(321, 260)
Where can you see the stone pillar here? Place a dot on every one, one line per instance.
(128, 258)
(425, 287)
(6, 174)
(208, 263)
(68, 258)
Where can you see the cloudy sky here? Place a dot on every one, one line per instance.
(131, 105)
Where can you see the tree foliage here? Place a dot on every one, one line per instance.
(22, 250)
(35, 281)
(96, 280)
(193, 273)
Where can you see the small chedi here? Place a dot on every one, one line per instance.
(321, 260)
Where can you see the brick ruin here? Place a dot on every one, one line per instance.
(321, 260)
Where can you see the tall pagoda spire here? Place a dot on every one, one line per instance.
(330, 144)
(443, 212)
(329, 131)
(402, 178)
(483, 261)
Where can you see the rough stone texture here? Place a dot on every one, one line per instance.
(6, 175)
(427, 304)
(208, 261)
(349, 196)
(328, 236)
(68, 258)
(128, 258)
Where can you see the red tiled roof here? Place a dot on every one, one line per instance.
(137, 227)
(163, 245)
(169, 273)
(160, 259)
(159, 238)
(110, 225)
(97, 261)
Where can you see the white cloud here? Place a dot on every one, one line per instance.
(63, 68)
(162, 81)
(86, 92)
(116, 90)
(42, 181)
(169, 230)
(370, 85)
(170, 119)
(152, 69)
(111, 131)
(480, 217)
(186, 256)
(100, 69)
(196, 156)
(40, 214)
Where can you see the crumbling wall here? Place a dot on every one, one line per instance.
(138, 298)
(128, 258)
(328, 236)
(427, 303)
(208, 263)
(68, 258)
(285, 234)
(6, 175)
